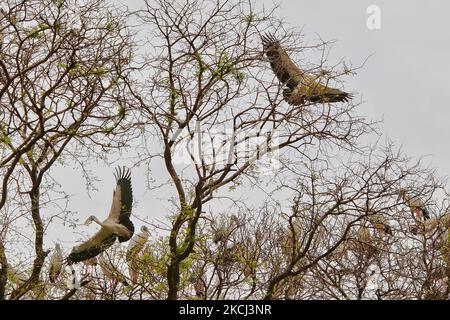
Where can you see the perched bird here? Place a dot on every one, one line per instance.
(364, 235)
(379, 222)
(56, 263)
(117, 225)
(134, 248)
(137, 243)
(301, 86)
(365, 243)
(199, 286)
(427, 228)
(416, 205)
(430, 226)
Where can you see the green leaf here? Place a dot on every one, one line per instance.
(108, 130)
(122, 111)
(99, 71)
(71, 131)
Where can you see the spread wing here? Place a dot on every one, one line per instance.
(101, 241)
(123, 200)
(302, 87)
(283, 67)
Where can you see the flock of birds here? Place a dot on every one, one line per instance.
(299, 87)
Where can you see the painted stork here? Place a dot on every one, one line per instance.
(134, 248)
(117, 225)
(380, 224)
(301, 86)
(56, 263)
(416, 206)
(200, 288)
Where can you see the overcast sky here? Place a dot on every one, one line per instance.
(405, 82)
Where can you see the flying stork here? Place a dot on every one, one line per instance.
(416, 206)
(302, 87)
(117, 225)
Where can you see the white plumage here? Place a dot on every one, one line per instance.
(117, 225)
(416, 205)
(135, 246)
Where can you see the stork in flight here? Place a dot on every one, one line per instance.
(417, 207)
(117, 225)
(302, 87)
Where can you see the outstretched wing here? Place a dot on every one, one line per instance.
(101, 241)
(302, 87)
(123, 200)
(283, 67)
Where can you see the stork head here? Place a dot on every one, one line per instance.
(144, 229)
(90, 220)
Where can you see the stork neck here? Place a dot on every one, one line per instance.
(97, 221)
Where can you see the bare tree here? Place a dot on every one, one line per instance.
(61, 81)
(211, 93)
(208, 109)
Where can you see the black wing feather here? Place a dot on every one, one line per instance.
(426, 213)
(279, 60)
(123, 177)
(92, 251)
